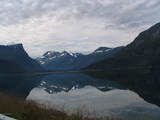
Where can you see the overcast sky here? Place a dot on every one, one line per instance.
(74, 25)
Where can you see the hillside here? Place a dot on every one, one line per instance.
(14, 59)
(28, 110)
(143, 52)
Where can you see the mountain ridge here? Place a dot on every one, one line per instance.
(143, 52)
(14, 59)
(54, 60)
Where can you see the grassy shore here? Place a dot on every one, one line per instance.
(29, 110)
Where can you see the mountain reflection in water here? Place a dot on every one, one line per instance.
(98, 95)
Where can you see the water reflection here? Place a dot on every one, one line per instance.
(119, 103)
(99, 97)
(18, 85)
(145, 84)
(124, 96)
(70, 81)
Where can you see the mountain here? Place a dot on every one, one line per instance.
(13, 58)
(143, 52)
(53, 60)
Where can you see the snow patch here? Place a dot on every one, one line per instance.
(62, 54)
(99, 51)
(42, 62)
(52, 58)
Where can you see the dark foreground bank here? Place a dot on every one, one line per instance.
(29, 110)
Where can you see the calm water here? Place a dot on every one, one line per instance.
(74, 92)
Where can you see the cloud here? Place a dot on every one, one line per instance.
(120, 12)
(74, 25)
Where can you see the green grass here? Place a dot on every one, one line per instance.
(29, 110)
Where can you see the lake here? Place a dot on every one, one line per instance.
(91, 96)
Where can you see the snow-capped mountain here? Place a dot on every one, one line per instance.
(53, 60)
(53, 56)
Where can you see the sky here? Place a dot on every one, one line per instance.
(74, 25)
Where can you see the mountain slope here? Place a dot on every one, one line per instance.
(143, 52)
(53, 60)
(13, 58)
